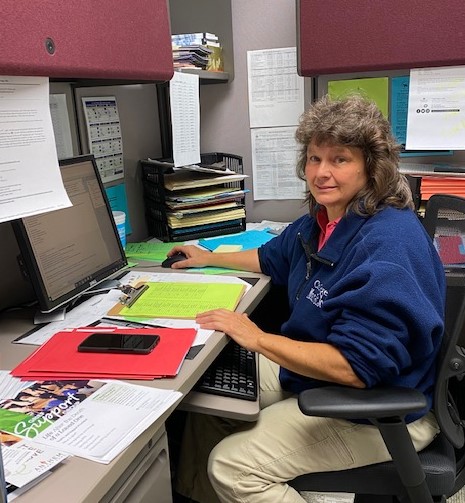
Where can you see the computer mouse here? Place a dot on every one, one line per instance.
(174, 258)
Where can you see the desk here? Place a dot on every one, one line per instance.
(141, 473)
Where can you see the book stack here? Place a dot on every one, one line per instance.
(194, 201)
(197, 50)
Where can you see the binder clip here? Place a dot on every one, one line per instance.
(131, 294)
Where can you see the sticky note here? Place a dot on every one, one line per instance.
(227, 248)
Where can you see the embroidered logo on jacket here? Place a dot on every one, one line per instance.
(317, 294)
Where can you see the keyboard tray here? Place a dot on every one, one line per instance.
(233, 374)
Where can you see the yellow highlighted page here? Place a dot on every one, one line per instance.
(183, 300)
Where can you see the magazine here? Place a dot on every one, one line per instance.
(92, 419)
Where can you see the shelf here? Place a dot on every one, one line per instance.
(205, 76)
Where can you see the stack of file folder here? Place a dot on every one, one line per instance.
(194, 201)
(59, 359)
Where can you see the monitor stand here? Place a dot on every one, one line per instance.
(55, 315)
(59, 314)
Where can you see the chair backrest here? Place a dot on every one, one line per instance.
(449, 399)
(445, 223)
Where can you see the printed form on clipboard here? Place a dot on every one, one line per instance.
(177, 299)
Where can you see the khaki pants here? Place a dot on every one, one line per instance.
(251, 462)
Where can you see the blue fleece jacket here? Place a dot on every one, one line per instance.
(376, 291)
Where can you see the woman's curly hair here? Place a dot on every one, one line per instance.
(356, 122)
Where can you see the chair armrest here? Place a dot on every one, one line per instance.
(351, 403)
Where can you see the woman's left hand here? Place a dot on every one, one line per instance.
(236, 325)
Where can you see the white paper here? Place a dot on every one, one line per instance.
(24, 461)
(97, 423)
(30, 179)
(185, 118)
(276, 91)
(436, 109)
(9, 385)
(82, 315)
(104, 136)
(274, 157)
(61, 126)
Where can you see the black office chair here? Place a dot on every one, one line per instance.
(427, 477)
(437, 471)
(445, 223)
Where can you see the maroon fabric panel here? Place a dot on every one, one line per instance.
(343, 36)
(93, 39)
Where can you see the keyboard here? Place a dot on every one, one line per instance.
(232, 374)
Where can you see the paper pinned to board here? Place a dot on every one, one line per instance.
(30, 179)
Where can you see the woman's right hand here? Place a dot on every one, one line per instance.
(196, 257)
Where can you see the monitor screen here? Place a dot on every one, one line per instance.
(68, 251)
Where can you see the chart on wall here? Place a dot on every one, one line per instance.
(276, 91)
(274, 157)
(104, 136)
(276, 101)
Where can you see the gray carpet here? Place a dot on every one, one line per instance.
(313, 498)
(457, 498)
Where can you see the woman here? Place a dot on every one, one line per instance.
(366, 291)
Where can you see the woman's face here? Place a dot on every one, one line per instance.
(334, 174)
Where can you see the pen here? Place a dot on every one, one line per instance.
(126, 323)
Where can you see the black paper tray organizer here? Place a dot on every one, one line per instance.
(187, 203)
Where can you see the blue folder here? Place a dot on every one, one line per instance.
(247, 239)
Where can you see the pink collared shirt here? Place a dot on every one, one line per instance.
(326, 227)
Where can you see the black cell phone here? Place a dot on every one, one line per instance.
(109, 342)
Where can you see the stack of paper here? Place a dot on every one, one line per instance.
(186, 47)
(95, 420)
(187, 179)
(202, 197)
(430, 185)
(200, 216)
(59, 358)
(25, 463)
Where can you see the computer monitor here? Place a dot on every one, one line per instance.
(69, 251)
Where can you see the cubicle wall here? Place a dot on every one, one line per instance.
(342, 36)
(261, 24)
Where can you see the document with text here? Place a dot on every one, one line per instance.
(276, 91)
(92, 419)
(274, 158)
(30, 179)
(436, 109)
(185, 118)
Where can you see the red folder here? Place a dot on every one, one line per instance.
(59, 358)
